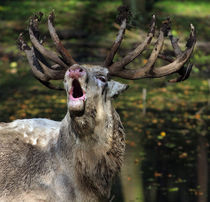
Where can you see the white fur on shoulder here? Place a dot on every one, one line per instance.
(40, 132)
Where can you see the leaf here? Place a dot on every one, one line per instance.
(173, 189)
(170, 145)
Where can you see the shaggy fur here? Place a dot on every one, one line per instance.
(72, 160)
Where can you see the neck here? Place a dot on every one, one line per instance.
(94, 145)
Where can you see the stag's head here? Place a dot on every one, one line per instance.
(87, 83)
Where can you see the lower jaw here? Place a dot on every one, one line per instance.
(74, 114)
(76, 108)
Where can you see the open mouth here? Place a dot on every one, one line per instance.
(76, 92)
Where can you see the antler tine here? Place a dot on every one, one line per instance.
(39, 69)
(59, 46)
(46, 53)
(175, 45)
(165, 57)
(55, 74)
(117, 66)
(122, 18)
(186, 69)
(184, 73)
(176, 48)
(158, 46)
(116, 44)
(181, 59)
(36, 69)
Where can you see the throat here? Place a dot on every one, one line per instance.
(96, 151)
(84, 126)
(93, 171)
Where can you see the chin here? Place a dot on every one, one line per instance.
(76, 107)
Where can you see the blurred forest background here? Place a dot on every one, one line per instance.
(167, 125)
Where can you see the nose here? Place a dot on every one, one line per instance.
(76, 72)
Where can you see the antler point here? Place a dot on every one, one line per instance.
(192, 27)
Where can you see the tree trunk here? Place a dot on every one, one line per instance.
(136, 6)
(202, 169)
(139, 6)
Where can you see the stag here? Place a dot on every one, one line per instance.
(76, 159)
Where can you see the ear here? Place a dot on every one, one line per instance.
(115, 88)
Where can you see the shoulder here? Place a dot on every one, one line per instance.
(39, 132)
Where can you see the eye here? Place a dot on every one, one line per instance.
(101, 78)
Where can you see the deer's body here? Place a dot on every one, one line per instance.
(72, 160)
(43, 160)
(77, 158)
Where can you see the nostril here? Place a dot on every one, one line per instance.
(76, 72)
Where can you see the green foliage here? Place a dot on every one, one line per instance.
(185, 12)
(185, 8)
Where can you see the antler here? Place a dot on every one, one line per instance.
(60, 48)
(37, 54)
(148, 70)
(123, 17)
